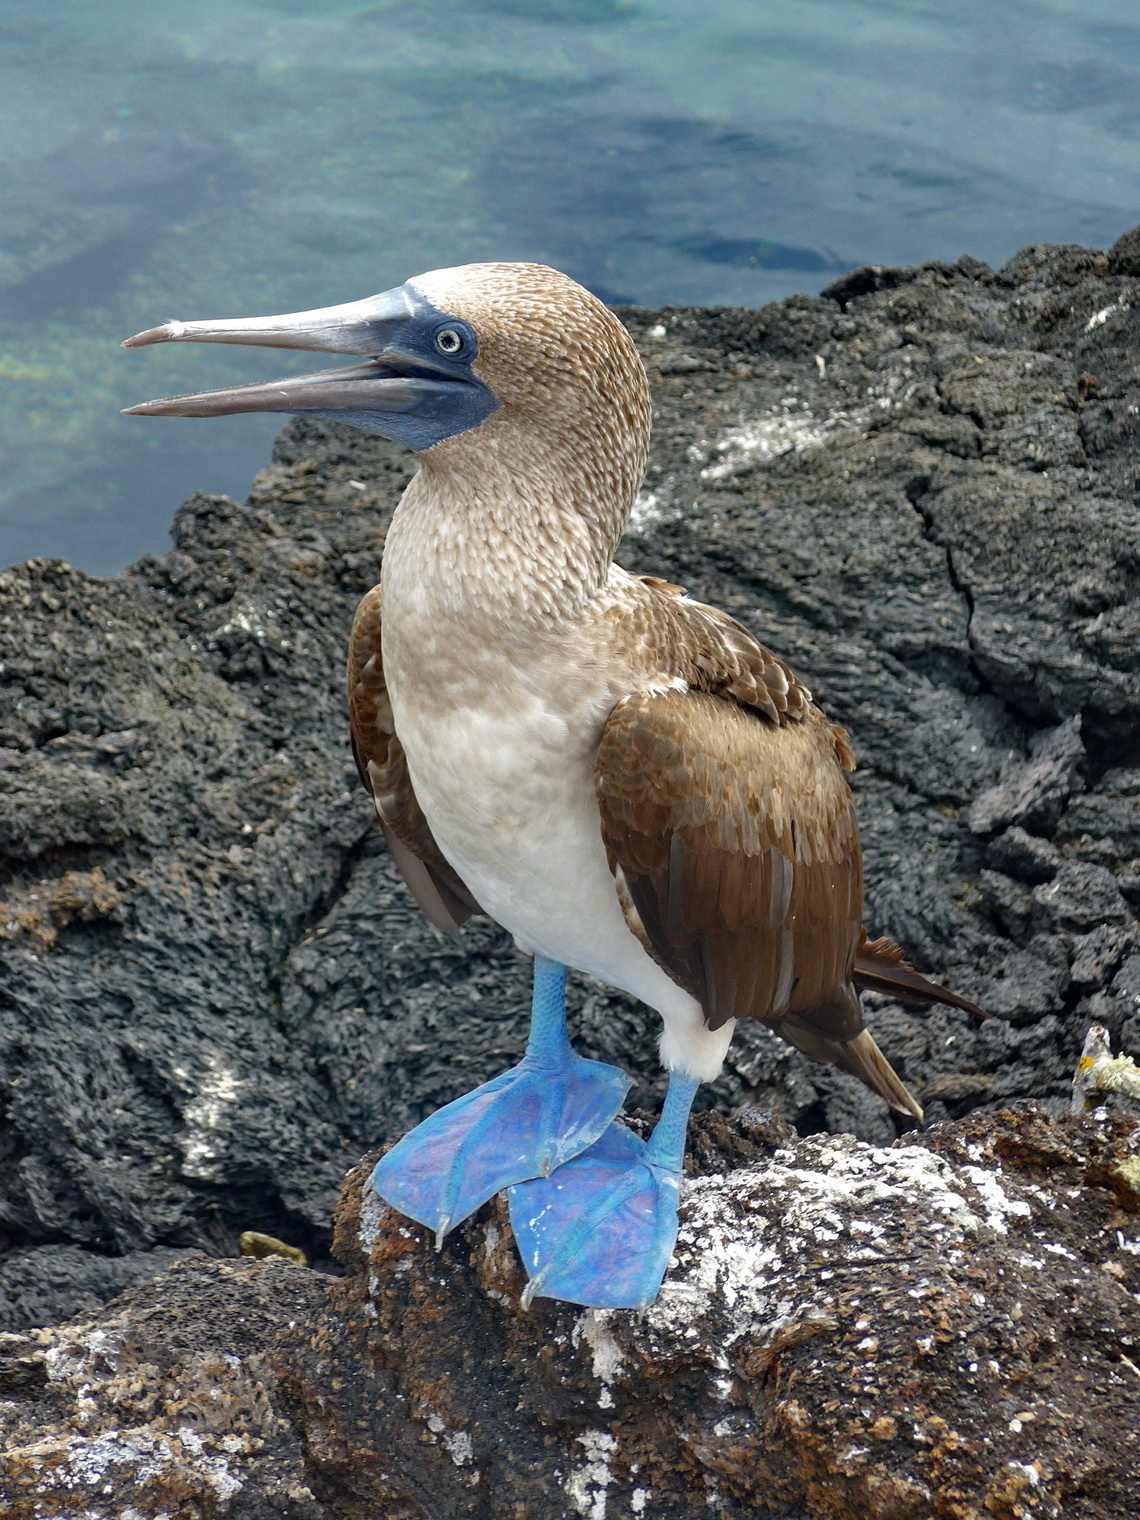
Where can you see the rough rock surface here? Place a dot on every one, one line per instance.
(919, 487)
(946, 1327)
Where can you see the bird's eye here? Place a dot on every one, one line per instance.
(448, 341)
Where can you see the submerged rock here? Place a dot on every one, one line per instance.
(919, 488)
(946, 1326)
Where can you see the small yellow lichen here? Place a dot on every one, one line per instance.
(43, 910)
(253, 1243)
(1129, 1171)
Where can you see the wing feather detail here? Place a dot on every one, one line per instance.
(689, 641)
(738, 833)
(735, 839)
(383, 768)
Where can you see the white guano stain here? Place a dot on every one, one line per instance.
(217, 1091)
(587, 1486)
(1099, 318)
(790, 427)
(133, 1457)
(999, 1207)
(846, 1191)
(372, 1208)
(784, 430)
(457, 1442)
(593, 1327)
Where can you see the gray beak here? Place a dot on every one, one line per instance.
(371, 328)
(355, 388)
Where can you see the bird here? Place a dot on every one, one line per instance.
(620, 775)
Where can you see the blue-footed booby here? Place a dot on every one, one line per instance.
(621, 776)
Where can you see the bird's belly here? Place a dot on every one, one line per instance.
(510, 800)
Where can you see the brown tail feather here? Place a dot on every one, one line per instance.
(859, 1057)
(870, 1065)
(881, 967)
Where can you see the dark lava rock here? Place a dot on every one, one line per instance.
(1035, 795)
(1023, 855)
(943, 1327)
(920, 488)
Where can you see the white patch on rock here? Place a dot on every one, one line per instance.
(371, 1208)
(1030, 1471)
(786, 429)
(587, 1485)
(1099, 318)
(998, 1205)
(593, 1327)
(458, 1443)
(1058, 1250)
(217, 1091)
(139, 1457)
(729, 1252)
(69, 1362)
(790, 428)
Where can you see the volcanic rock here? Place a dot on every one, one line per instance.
(920, 488)
(943, 1327)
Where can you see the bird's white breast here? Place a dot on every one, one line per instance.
(506, 784)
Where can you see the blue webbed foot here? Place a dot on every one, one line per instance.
(522, 1124)
(525, 1123)
(601, 1229)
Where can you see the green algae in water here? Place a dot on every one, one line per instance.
(276, 154)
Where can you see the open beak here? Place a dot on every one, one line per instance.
(393, 378)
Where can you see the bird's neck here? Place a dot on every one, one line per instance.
(502, 538)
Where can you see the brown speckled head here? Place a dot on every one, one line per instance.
(548, 349)
(536, 442)
(574, 398)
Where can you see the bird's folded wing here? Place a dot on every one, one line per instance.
(733, 841)
(383, 768)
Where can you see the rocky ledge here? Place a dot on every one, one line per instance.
(920, 487)
(945, 1327)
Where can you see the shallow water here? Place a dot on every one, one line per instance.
(229, 159)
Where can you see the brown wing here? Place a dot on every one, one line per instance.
(709, 650)
(383, 768)
(733, 838)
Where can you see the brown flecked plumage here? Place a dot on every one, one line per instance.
(726, 817)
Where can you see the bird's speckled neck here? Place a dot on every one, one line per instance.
(512, 526)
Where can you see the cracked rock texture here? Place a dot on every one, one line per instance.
(920, 487)
(945, 1327)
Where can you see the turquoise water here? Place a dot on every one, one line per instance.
(160, 158)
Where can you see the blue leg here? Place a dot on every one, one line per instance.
(521, 1124)
(601, 1229)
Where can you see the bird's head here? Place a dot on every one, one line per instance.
(516, 353)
